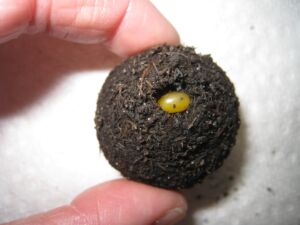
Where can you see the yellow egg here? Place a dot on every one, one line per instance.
(175, 101)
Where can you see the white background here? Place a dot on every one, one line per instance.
(48, 90)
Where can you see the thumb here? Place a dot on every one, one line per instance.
(118, 202)
(125, 26)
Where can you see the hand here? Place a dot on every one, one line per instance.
(126, 27)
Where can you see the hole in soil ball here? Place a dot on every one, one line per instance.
(163, 89)
(175, 101)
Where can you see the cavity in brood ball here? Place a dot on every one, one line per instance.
(167, 117)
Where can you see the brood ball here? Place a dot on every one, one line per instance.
(167, 117)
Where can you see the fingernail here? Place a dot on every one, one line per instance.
(171, 217)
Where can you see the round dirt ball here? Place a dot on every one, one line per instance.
(158, 146)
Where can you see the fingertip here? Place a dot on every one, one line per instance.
(15, 16)
(142, 27)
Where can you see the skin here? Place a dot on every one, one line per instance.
(125, 27)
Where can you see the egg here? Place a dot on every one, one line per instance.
(174, 102)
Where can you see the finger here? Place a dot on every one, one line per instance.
(119, 202)
(126, 26)
(15, 16)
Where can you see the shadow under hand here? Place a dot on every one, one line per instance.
(220, 185)
(32, 65)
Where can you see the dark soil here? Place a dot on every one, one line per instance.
(149, 145)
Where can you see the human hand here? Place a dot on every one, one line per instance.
(125, 27)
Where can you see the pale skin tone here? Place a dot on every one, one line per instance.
(125, 27)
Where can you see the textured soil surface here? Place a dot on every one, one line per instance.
(149, 145)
